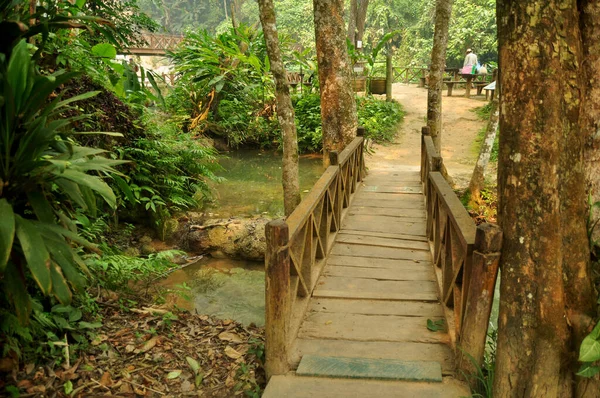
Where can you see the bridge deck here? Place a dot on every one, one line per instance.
(374, 298)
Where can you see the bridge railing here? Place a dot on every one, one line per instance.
(156, 44)
(409, 74)
(466, 259)
(297, 249)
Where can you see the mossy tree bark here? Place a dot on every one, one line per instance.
(357, 20)
(443, 12)
(547, 296)
(285, 110)
(478, 177)
(338, 106)
(590, 22)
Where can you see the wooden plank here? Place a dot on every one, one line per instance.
(343, 249)
(413, 214)
(382, 242)
(352, 288)
(380, 274)
(358, 327)
(322, 387)
(388, 203)
(375, 349)
(396, 197)
(385, 235)
(384, 225)
(366, 262)
(368, 368)
(377, 307)
(393, 189)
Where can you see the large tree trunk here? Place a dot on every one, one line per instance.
(546, 288)
(443, 11)
(478, 177)
(338, 107)
(285, 111)
(357, 20)
(591, 113)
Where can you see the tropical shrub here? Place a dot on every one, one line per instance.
(44, 177)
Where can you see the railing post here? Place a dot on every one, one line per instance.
(424, 133)
(480, 296)
(277, 298)
(339, 200)
(360, 132)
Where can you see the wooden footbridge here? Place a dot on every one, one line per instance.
(361, 268)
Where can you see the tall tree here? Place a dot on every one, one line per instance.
(591, 113)
(338, 106)
(443, 12)
(478, 177)
(285, 110)
(547, 296)
(357, 20)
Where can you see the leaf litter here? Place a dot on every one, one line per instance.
(139, 353)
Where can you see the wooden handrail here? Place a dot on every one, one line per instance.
(466, 259)
(297, 249)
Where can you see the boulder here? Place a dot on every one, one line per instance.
(237, 238)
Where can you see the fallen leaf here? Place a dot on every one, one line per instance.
(106, 380)
(231, 353)
(148, 345)
(24, 384)
(198, 380)
(99, 339)
(173, 375)
(68, 387)
(29, 368)
(328, 322)
(229, 336)
(129, 348)
(193, 364)
(186, 386)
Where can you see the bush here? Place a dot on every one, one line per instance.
(379, 118)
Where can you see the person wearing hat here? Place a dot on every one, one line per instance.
(470, 59)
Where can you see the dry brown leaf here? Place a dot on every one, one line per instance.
(229, 336)
(231, 353)
(99, 339)
(148, 345)
(25, 384)
(106, 380)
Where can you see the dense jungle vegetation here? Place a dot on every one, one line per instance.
(93, 147)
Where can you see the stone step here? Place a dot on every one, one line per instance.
(368, 368)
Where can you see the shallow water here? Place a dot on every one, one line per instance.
(224, 288)
(252, 183)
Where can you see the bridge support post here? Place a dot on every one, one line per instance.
(277, 298)
(480, 296)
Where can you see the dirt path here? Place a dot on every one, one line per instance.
(460, 127)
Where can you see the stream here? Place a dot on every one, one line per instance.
(234, 289)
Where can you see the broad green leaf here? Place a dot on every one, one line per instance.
(60, 288)
(14, 286)
(590, 350)
(18, 73)
(435, 326)
(104, 50)
(68, 387)
(193, 364)
(51, 229)
(587, 370)
(92, 182)
(62, 254)
(125, 188)
(34, 250)
(7, 232)
(89, 325)
(41, 207)
(73, 191)
(595, 334)
(174, 374)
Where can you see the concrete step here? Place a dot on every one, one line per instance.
(369, 368)
(292, 386)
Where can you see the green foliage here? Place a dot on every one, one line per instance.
(379, 118)
(308, 122)
(37, 143)
(116, 271)
(168, 172)
(482, 382)
(589, 352)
